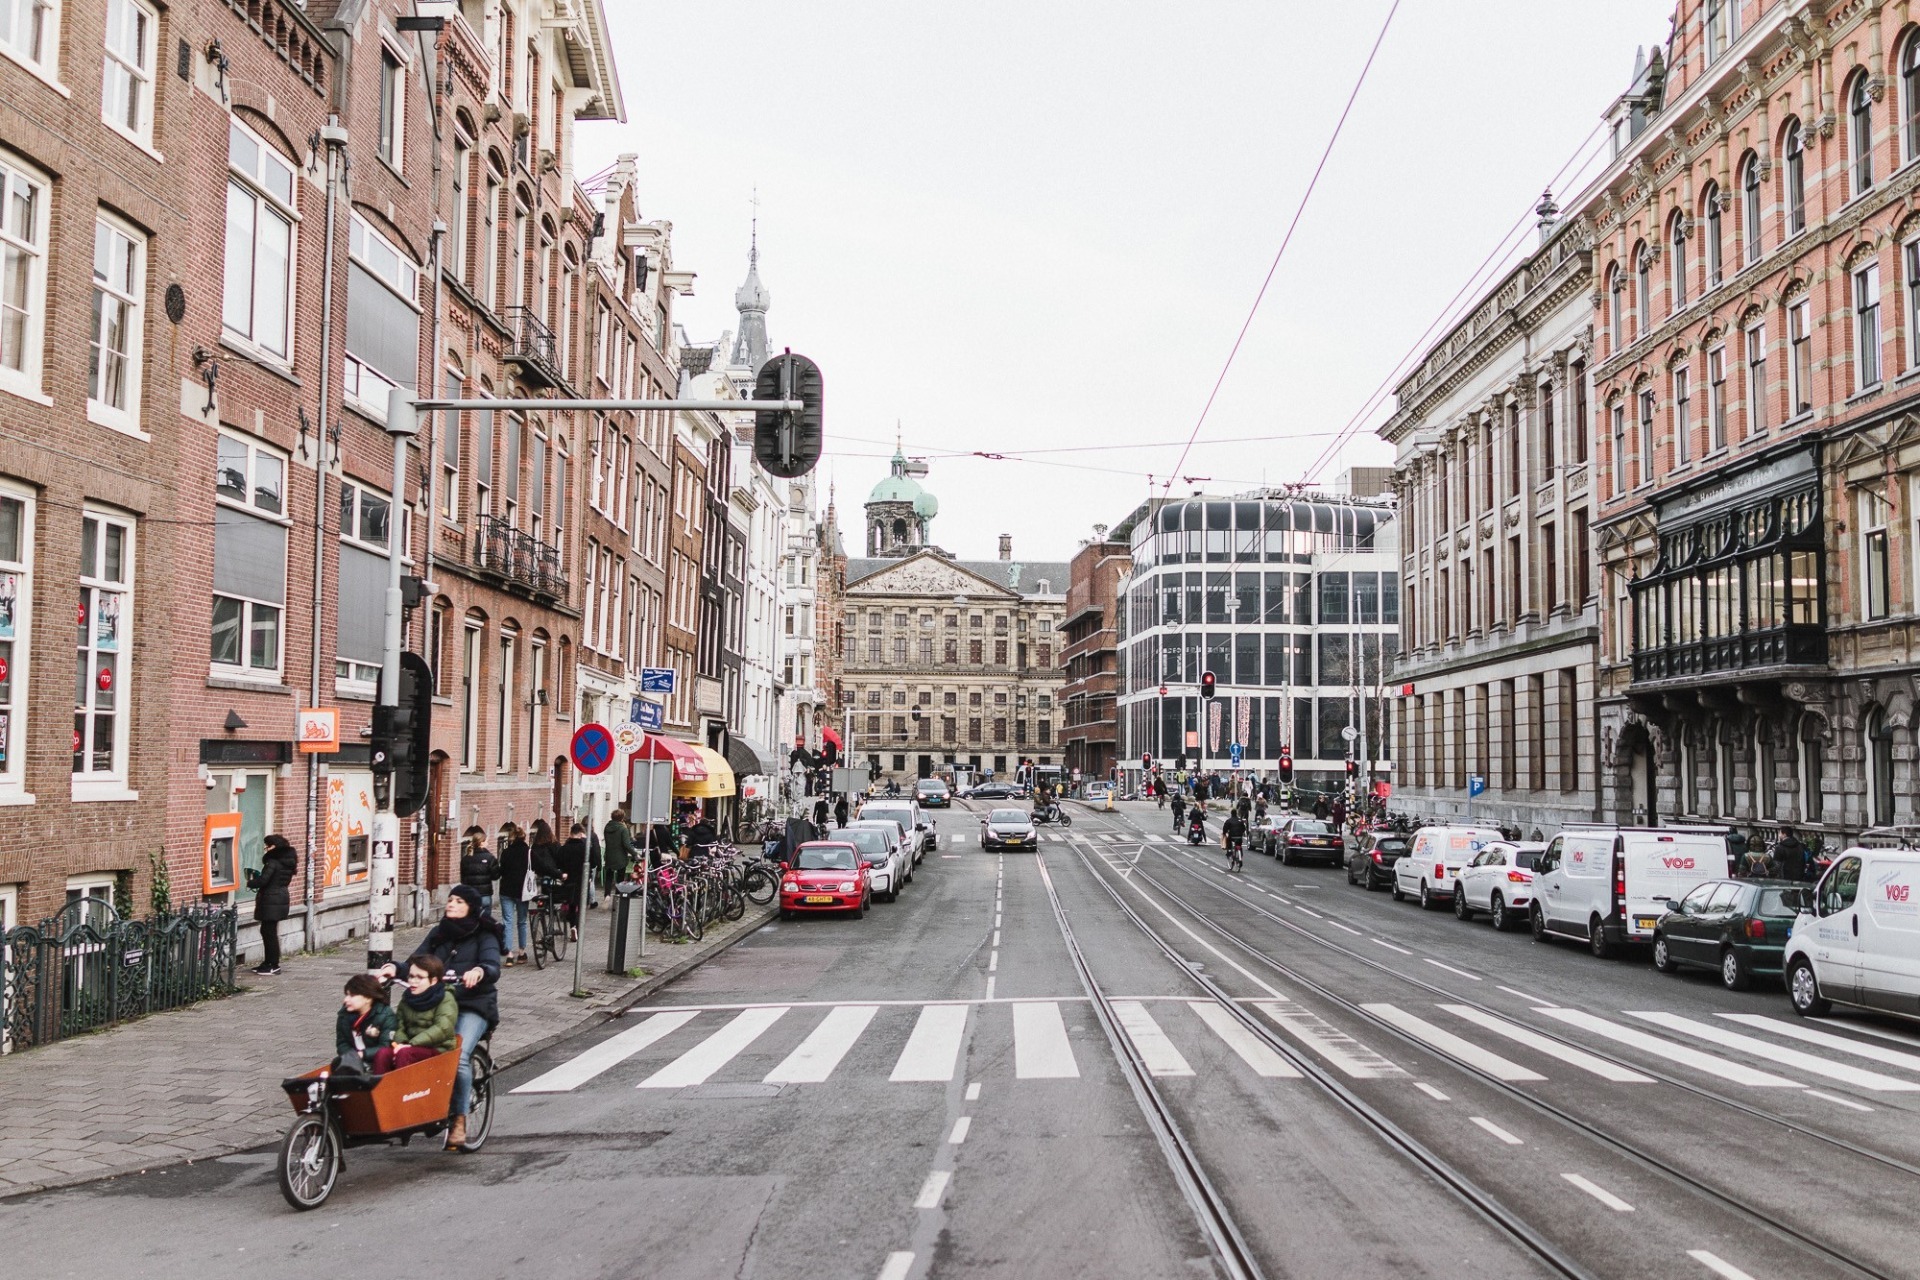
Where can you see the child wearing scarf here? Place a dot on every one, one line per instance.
(427, 1014)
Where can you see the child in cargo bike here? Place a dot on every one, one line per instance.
(428, 1016)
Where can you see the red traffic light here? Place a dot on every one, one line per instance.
(1163, 691)
(1206, 684)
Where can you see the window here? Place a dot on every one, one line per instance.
(470, 698)
(105, 627)
(113, 370)
(27, 31)
(1876, 589)
(1642, 291)
(126, 81)
(1750, 201)
(1577, 375)
(1619, 412)
(486, 284)
(1549, 435)
(393, 107)
(1711, 249)
(1860, 136)
(1643, 443)
(1682, 415)
(536, 702)
(249, 558)
(1717, 398)
(1756, 380)
(359, 639)
(258, 306)
(1616, 318)
(483, 462)
(1910, 97)
(1866, 326)
(23, 275)
(16, 596)
(503, 710)
(1719, 19)
(1879, 745)
(364, 516)
(1513, 450)
(383, 318)
(1799, 358)
(448, 425)
(456, 252)
(1677, 267)
(1796, 166)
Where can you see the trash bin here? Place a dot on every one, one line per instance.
(627, 924)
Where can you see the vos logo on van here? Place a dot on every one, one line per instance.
(1677, 863)
(1899, 892)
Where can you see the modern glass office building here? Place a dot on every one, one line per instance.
(1293, 603)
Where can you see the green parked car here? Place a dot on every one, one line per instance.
(1737, 928)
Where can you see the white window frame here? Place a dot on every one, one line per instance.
(1714, 249)
(109, 783)
(1677, 264)
(472, 665)
(449, 425)
(16, 632)
(1756, 367)
(1860, 175)
(1717, 398)
(365, 387)
(1799, 334)
(115, 236)
(1876, 551)
(1718, 20)
(1643, 444)
(250, 608)
(251, 187)
(536, 685)
(1868, 362)
(18, 42)
(26, 252)
(586, 599)
(1682, 415)
(355, 493)
(132, 68)
(503, 689)
(1752, 213)
(390, 134)
(1910, 99)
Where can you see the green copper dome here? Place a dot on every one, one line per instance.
(897, 489)
(926, 506)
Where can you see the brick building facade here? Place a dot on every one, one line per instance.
(1090, 733)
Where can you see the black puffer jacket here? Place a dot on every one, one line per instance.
(271, 899)
(479, 869)
(513, 869)
(479, 947)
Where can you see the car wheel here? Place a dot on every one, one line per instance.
(1597, 939)
(1538, 920)
(1497, 913)
(1286, 855)
(1662, 956)
(1734, 974)
(1351, 878)
(860, 912)
(1426, 897)
(1461, 911)
(1399, 894)
(1804, 989)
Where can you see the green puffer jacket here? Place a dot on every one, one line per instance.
(433, 1029)
(376, 1031)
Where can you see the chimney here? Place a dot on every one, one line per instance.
(1006, 546)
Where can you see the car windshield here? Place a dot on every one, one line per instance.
(1010, 816)
(933, 787)
(826, 857)
(868, 840)
(1784, 902)
(1309, 828)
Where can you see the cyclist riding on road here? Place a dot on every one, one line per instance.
(1179, 810)
(1233, 838)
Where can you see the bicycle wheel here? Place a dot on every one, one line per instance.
(310, 1162)
(734, 906)
(690, 922)
(480, 1114)
(542, 938)
(759, 885)
(558, 927)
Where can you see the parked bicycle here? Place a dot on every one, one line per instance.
(549, 924)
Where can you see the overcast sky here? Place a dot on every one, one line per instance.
(1039, 225)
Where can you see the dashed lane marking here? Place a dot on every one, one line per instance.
(1599, 1193)
(1389, 946)
(933, 1189)
(1718, 1265)
(1474, 977)
(960, 1129)
(897, 1266)
(1496, 1131)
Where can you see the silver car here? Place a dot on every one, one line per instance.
(879, 846)
(1008, 829)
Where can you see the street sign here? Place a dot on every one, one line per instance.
(592, 748)
(1476, 784)
(1233, 755)
(650, 791)
(316, 729)
(648, 716)
(656, 679)
(1349, 733)
(628, 737)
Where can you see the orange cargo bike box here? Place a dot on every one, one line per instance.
(406, 1099)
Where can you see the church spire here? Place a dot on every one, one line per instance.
(752, 300)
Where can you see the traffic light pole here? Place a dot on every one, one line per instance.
(383, 864)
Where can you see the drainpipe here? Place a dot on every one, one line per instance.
(430, 455)
(334, 138)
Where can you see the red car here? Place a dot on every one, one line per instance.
(825, 875)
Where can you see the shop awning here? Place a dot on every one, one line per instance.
(749, 757)
(688, 764)
(717, 780)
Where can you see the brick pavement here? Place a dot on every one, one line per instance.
(204, 1081)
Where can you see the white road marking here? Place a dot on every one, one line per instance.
(1336, 1046)
(932, 1189)
(1661, 1048)
(1855, 1076)
(1452, 1045)
(1529, 997)
(716, 1051)
(897, 1266)
(1429, 1090)
(1552, 1048)
(1389, 946)
(996, 937)
(1718, 1265)
(949, 855)
(960, 1128)
(993, 961)
(1794, 1031)
(1496, 1131)
(996, 919)
(1315, 914)
(1473, 977)
(1041, 1050)
(1882, 1033)
(933, 1050)
(1838, 1100)
(1149, 1040)
(822, 1050)
(990, 982)
(1336, 924)
(606, 1055)
(973, 1092)
(1599, 1193)
(1253, 1051)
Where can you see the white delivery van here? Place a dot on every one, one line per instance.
(1609, 886)
(1860, 943)
(1432, 864)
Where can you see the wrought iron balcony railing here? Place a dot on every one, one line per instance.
(518, 559)
(533, 348)
(1726, 657)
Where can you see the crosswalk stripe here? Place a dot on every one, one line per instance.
(606, 1055)
(1858, 1077)
(1552, 1048)
(1041, 1050)
(1662, 1048)
(1253, 1051)
(933, 1049)
(1155, 1049)
(716, 1051)
(1794, 1031)
(822, 1050)
(1452, 1045)
(1342, 1050)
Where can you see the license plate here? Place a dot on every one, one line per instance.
(818, 897)
(1646, 922)
(1015, 839)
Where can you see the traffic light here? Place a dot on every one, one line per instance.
(1286, 764)
(402, 736)
(788, 444)
(1206, 684)
(1353, 766)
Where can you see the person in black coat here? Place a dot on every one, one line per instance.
(272, 900)
(467, 940)
(570, 860)
(515, 858)
(478, 867)
(840, 812)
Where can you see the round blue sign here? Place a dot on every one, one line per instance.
(592, 748)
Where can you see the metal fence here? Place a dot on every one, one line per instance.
(87, 968)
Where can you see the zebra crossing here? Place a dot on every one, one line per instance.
(1176, 1038)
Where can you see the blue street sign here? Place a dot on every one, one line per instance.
(591, 748)
(1233, 755)
(1476, 784)
(647, 715)
(656, 679)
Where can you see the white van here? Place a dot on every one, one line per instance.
(1432, 864)
(1860, 944)
(1609, 886)
(914, 822)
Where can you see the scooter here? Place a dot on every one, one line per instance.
(1196, 832)
(1052, 813)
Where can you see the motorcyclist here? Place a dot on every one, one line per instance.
(1197, 825)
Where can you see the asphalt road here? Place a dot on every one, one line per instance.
(1353, 1086)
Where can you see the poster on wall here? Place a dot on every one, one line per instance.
(349, 820)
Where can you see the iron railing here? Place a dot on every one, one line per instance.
(518, 558)
(87, 968)
(533, 347)
(1796, 645)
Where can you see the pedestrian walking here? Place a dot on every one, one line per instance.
(571, 860)
(618, 849)
(1790, 856)
(840, 811)
(272, 901)
(820, 812)
(517, 888)
(478, 867)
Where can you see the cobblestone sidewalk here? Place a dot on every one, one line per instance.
(204, 1081)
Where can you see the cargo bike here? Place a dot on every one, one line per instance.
(335, 1110)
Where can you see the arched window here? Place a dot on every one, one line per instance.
(1642, 289)
(1711, 247)
(1879, 744)
(1796, 153)
(1677, 260)
(1750, 210)
(1860, 135)
(1910, 96)
(1616, 318)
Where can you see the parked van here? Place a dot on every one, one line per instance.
(1432, 864)
(914, 823)
(1860, 942)
(1609, 886)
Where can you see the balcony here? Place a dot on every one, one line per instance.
(1737, 656)
(517, 560)
(532, 349)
